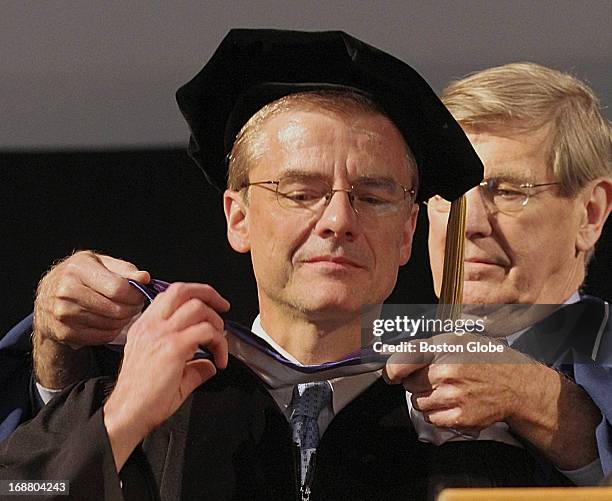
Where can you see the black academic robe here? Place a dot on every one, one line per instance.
(230, 441)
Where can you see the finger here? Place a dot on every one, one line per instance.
(446, 418)
(438, 399)
(219, 349)
(419, 381)
(193, 312)
(92, 273)
(90, 321)
(394, 373)
(87, 337)
(401, 365)
(195, 373)
(166, 303)
(204, 334)
(76, 297)
(113, 328)
(415, 402)
(124, 268)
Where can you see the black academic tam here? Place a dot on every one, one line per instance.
(252, 68)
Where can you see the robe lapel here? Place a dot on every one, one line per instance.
(567, 336)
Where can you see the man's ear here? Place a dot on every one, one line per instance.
(596, 206)
(407, 234)
(236, 216)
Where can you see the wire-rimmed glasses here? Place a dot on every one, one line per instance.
(500, 195)
(367, 196)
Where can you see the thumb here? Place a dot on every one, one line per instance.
(195, 373)
(395, 373)
(125, 269)
(401, 365)
(139, 276)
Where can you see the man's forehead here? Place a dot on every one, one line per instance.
(306, 137)
(311, 127)
(512, 152)
(533, 138)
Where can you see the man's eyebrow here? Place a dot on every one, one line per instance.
(509, 177)
(376, 180)
(304, 174)
(299, 173)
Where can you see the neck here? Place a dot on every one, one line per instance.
(313, 339)
(561, 287)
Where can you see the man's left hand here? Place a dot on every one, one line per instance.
(467, 390)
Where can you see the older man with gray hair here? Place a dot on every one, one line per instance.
(531, 228)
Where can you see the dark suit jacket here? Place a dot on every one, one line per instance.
(577, 340)
(230, 441)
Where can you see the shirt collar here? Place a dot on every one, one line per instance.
(574, 298)
(344, 389)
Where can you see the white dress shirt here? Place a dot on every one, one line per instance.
(344, 389)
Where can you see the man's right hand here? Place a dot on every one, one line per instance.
(158, 371)
(82, 301)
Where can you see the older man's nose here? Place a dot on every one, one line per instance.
(478, 217)
(338, 218)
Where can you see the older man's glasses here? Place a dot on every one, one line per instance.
(368, 197)
(499, 194)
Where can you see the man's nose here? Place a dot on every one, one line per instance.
(338, 218)
(478, 217)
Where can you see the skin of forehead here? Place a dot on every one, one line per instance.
(294, 133)
(509, 166)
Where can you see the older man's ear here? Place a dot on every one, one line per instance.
(596, 204)
(237, 221)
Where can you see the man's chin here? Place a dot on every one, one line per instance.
(329, 294)
(330, 305)
(345, 304)
(329, 286)
(476, 292)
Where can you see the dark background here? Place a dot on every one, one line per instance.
(155, 209)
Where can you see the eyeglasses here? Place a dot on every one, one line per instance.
(499, 194)
(368, 197)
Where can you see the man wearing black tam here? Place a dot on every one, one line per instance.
(329, 143)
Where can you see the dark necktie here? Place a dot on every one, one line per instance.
(308, 401)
